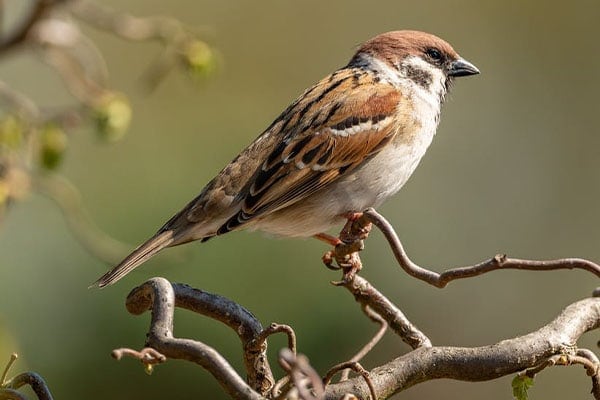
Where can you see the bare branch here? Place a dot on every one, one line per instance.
(302, 375)
(147, 355)
(35, 381)
(38, 10)
(90, 236)
(272, 329)
(373, 316)
(11, 394)
(162, 297)
(493, 264)
(11, 361)
(367, 295)
(356, 367)
(478, 363)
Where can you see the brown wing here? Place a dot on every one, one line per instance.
(332, 129)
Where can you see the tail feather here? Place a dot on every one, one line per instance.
(136, 258)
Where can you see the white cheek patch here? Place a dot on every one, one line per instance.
(438, 78)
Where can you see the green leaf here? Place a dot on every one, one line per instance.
(520, 385)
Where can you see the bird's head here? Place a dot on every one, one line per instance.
(422, 57)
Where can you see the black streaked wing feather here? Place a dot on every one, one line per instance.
(315, 151)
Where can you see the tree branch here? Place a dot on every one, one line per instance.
(367, 295)
(497, 262)
(38, 10)
(160, 296)
(554, 343)
(478, 363)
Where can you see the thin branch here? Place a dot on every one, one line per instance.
(90, 236)
(383, 325)
(162, 297)
(272, 329)
(367, 295)
(125, 25)
(478, 363)
(582, 356)
(302, 375)
(496, 263)
(38, 11)
(11, 394)
(356, 367)
(35, 381)
(11, 361)
(147, 355)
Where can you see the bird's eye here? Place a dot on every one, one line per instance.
(434, 54)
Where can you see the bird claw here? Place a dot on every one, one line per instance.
(328, 259)
(346, 246)
(357, 228)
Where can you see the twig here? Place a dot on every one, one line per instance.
(356, 367)
(272, 329)
(11, 361)
(11, 394)
(147, 355)
(90, 236)
(367, 295)
(383, 325)
(493, 264)
(38, 10)
(302, 375)
(582, 356)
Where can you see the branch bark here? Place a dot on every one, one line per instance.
(556, 339)
(160, 296)
(478, 363)
(498, 262)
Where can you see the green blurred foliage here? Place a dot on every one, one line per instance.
(53, 144)
(112, 116)
(515, 168)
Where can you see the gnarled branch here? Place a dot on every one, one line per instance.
(499, 261)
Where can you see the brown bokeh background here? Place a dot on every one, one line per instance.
(515, 168)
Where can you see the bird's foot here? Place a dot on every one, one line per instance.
(357, 228)
(347, 245)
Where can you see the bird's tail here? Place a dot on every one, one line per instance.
(137, 257)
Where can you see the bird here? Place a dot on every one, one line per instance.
(347, 143)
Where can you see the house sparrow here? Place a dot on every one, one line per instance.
(346, 144)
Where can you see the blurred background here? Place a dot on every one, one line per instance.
(515, 168)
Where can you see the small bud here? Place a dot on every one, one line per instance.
(112, 116)
(11, 131)
(148, 369)
(199, 59)
(53, 144)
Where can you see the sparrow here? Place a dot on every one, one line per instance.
(346, 144)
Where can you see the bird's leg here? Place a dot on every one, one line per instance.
(347, 245)
(329, 239)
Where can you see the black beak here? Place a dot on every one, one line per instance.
(462, 67)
